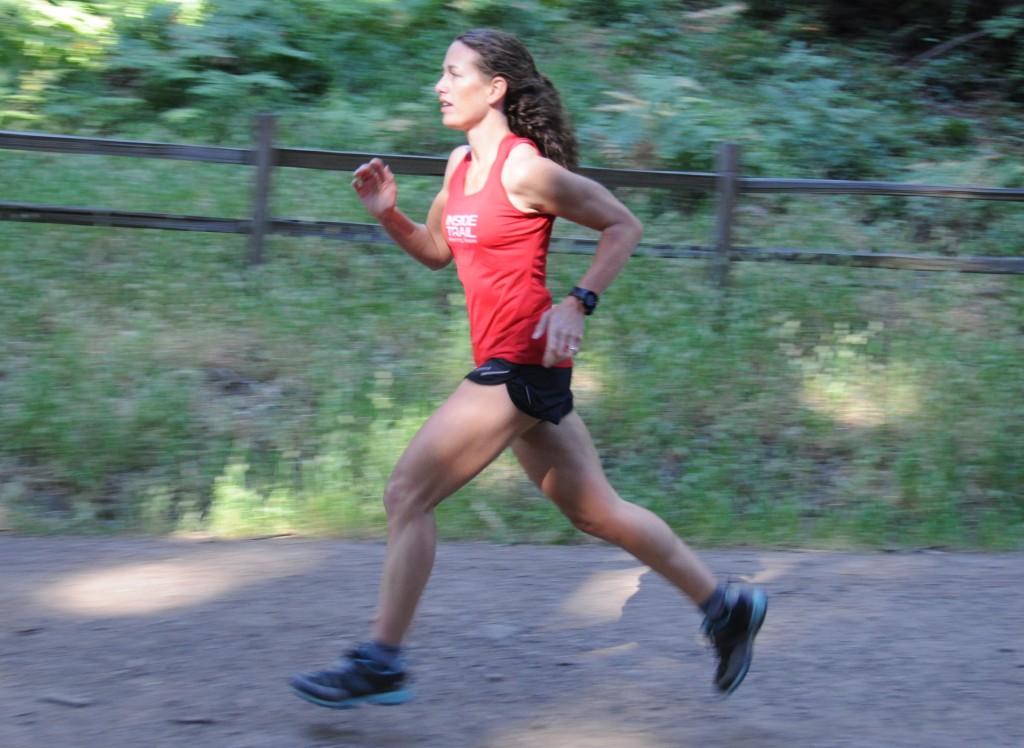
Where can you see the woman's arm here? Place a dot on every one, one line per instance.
(536, 184)
(378, 191)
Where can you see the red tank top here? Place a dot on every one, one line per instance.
(501, 256)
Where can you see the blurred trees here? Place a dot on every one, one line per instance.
(182, 60)
(201, 68)
(984, 39)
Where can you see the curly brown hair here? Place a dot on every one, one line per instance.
(532, 104)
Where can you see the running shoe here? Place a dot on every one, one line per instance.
(733, 634)
(355, 679)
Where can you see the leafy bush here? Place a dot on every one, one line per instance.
(251, 53)
(969, 46)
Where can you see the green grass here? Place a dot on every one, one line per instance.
(149, 382)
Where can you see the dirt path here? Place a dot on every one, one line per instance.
(147, 642)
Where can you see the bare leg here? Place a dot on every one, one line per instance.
(563, 462)
(464, 435)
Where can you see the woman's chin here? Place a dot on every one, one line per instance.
(451, 122)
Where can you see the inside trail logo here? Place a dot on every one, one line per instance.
(461, 228)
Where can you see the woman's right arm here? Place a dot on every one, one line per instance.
(426, 243)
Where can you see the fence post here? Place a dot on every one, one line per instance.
(261, 191)
(728, 180)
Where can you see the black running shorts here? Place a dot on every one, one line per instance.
(536, 390)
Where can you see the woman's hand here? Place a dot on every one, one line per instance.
(563, 325)
(376, 187)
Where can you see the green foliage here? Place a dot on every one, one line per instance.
(659, 97)
(1008, 29)
(967, 46)
(1006, 26)
(661, 121)
(767, 10)
(603, 13)
(250, 53)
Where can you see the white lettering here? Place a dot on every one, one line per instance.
(461, 228)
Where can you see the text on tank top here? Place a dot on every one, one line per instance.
(501, 256)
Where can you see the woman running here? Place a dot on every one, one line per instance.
(493, 216)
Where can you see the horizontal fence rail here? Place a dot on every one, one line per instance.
(897, 189)
(120, 219)
(727, 183)
(44, 143)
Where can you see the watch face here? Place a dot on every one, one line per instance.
(587, 297)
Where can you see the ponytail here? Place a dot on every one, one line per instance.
(532, 104)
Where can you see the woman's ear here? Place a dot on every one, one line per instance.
(499, 87)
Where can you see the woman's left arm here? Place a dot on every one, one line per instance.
(537, 184)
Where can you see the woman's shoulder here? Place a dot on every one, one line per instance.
(456, 157)
(525, 164)
(530, 179)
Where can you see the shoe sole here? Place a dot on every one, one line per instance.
(388, 698)
(757, 614)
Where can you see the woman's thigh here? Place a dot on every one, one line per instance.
(563, 462)
(462, 437)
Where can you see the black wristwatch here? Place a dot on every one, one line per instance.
(587, 297)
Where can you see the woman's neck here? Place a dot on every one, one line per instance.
(485, 138)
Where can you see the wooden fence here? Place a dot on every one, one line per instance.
(727, 183)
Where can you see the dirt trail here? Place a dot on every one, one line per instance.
(158, 642)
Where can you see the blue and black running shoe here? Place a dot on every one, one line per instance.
(733, 634)
(353, 680)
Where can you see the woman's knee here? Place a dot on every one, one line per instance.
(404, 498)
(598, 521)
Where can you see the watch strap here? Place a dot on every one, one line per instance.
(587, 298)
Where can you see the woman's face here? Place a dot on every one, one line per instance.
(463, 90)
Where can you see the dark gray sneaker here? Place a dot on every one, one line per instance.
(733, 634)
(353, 680)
